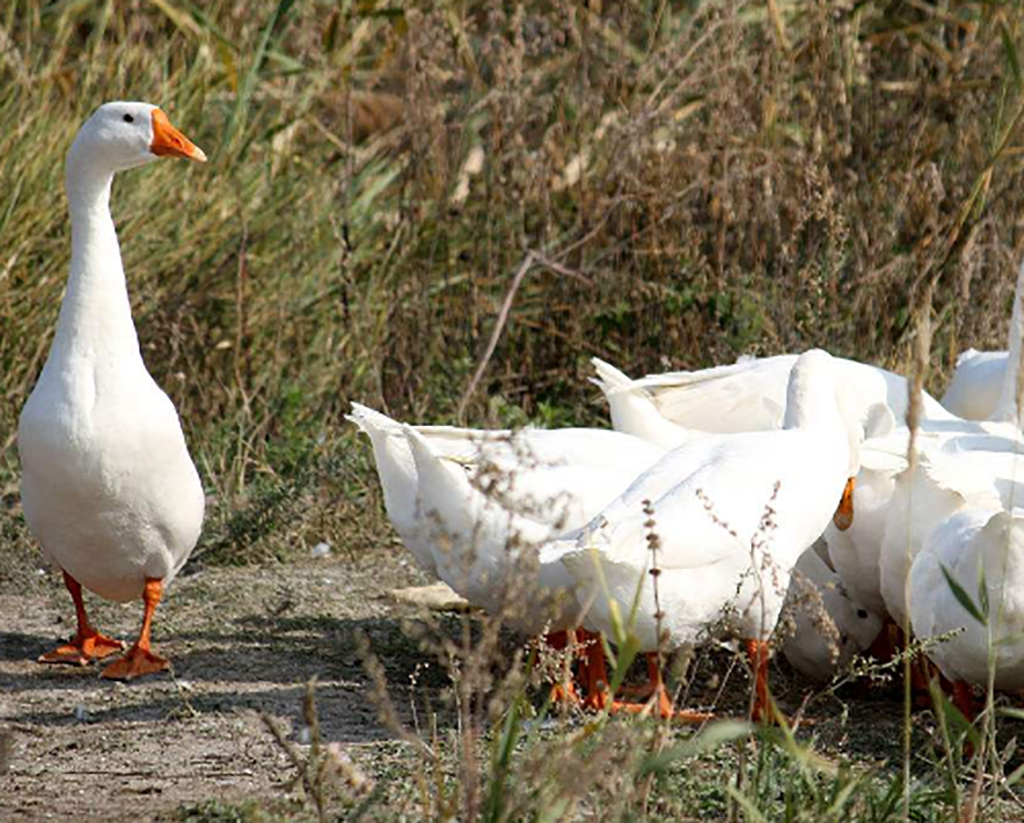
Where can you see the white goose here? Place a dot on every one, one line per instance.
(817, 650)
(108, 487)
(559, 478)
(747, 396)
(733, 514)
(897, 507)
(968, 544)
(944, 482)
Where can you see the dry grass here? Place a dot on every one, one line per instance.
(665, 184)
(695, 180)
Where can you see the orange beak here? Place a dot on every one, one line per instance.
(843, 518)
(169, 142)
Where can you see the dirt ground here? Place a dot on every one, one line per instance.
(245, 641)
(241, 641)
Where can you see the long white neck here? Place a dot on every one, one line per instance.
(811, 394)
(95, 317)
(813, 403)
(1009, 394)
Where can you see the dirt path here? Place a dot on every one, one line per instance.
(245, 641)
(241, 640)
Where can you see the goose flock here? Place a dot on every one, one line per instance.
(719, 501)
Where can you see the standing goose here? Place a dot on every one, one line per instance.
(108, 487)
(733, 513)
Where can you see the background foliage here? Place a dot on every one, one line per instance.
(664, 184)
(695, 180)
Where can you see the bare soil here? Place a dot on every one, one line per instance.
(245, 641)
(242, 641)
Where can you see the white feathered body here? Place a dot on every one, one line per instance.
(108, 487)
(972, 542)
(728, 537)
(943, 482)
(485, 522)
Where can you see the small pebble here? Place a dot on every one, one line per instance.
(321, 550)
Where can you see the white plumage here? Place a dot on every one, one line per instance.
(733, 514)
(108, 487)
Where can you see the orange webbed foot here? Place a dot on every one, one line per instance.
(88, 644)
(663, 706)
(136, 663)
(83, 650)
(565, 694)
(140, 659)
(639, 692)
(659, 702)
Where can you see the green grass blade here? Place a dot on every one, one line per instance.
(963, 598)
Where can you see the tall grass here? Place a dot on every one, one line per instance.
(696, 180)
(671, 184)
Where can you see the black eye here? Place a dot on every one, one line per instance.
(129, 119)
(862, 614)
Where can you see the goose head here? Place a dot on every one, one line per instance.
(123, 135)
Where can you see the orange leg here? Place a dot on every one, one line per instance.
(140, 659)
(963, 699)
(922, 670)
(883, 648)
(645, 690)
(557, 640)
(891, 641)
(843, 518)
(562, 692)
(659, 700)
(757, 653)
(595, 670)
(88, 644)
(921, 673)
